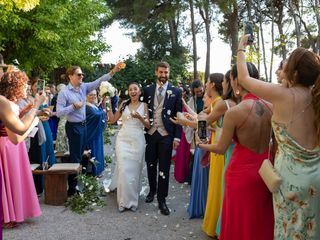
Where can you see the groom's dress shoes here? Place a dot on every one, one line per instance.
(163, 208)
(150, 197)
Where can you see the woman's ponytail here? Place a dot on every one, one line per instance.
(316, 107)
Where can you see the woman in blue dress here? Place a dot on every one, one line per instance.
(96, 124)
(200, 173)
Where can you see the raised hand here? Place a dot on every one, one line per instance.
(118, 67)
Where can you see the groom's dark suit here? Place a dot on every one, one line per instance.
(160, 141)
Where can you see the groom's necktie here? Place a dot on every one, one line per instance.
(159, 95)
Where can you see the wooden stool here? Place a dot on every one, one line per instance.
(56, 182)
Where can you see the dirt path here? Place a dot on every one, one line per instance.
(59, 223)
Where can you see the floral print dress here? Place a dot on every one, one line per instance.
(297, 204)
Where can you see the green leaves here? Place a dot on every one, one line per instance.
(24, 5)
(88, 197)
(55, 33)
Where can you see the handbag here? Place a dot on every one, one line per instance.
(269, 174)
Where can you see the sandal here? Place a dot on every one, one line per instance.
(9, 225)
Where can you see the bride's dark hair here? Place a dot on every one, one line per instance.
(128, 101)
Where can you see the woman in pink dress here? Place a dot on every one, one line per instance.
(19, 198)
(247, 211)
(182, 158)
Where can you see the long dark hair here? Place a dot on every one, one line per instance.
(229, 94)
(128, 101)
(253, 71)
(217, 79)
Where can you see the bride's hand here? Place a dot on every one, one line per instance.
(135, 114)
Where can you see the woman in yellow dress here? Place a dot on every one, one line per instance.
(214, 197)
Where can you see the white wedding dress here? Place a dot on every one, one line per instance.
(130, 151)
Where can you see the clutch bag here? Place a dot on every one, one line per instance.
(270, 176)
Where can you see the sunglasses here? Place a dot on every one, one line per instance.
(80, 74)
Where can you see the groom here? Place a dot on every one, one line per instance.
(164, 101)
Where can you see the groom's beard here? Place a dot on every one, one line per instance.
(162, 80)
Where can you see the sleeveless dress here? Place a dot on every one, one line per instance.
(214, 198)
(19, 198)
(297, 204)
(247, 211)
(130, 150)
(182, 158)
(47, 150)
(199, 186)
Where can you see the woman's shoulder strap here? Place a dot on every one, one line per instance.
(227, 103)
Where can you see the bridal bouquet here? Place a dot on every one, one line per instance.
(106, 89)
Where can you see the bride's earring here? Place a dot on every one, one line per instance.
(238, 92)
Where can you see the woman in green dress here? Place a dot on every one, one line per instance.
(296, 124)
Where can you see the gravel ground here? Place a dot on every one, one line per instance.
(107, 223)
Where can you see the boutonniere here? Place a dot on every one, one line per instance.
(169, 92)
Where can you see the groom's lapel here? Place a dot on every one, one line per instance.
(153, 90)
(166, 96)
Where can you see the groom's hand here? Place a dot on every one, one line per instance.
(175, 144)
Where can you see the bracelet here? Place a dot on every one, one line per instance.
(241, 50)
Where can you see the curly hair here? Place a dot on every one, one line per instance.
(13, 85)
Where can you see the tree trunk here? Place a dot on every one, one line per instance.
(249, 8)
(292, 11)
(279, 21)
(194, 42)
(263, 48)
(173, 33)
(207, 20)
(208, 34)
(311, 40)
(233, 24)
(283, 45)
(272, 40)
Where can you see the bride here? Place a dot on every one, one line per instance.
(130, 148)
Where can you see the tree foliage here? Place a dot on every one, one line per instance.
(24, 5)
(55, 33)
(158, 26)
(138, 70)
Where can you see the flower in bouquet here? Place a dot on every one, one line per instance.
(106, 89)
